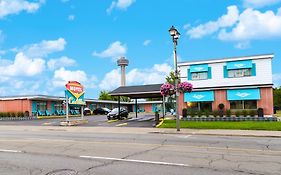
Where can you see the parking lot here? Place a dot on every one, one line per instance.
(143, 120)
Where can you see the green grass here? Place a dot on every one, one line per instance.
(249, 125)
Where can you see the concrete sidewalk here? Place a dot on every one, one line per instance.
(135, 130)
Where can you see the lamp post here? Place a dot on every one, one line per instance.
(175, 36)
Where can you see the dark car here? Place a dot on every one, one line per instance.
(114, 114)
(102, 111)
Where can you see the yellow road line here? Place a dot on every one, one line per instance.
(122, 124)
(111, 121)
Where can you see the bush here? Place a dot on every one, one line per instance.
(252, 113)
(207, 113)
(215, 113)
(20, 114)
(192, 113)
(228, 113)
(12, 114)
(245, 113)
(221, 106)
(199, 113)
(237, 113)
(1, 114)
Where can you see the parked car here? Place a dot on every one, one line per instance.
(114, 114)
(87, 111)
(102, 111)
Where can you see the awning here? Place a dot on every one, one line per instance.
(243, 94)
(199, 96)
(199, 68)
(244, 64)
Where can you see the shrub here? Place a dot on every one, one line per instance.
(207, 113)
(245, 113)
(8, 114)
(238, 113)
(199, 113)
(192, 112)
(1, 114)
(215, 113)
(252, 113)
(20, 114)
(228, 113)
(221, 106)
(12, 114)
(5, 114)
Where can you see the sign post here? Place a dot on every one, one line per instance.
(74, 96)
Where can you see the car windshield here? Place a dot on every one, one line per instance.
(115, 110)
(106, 109)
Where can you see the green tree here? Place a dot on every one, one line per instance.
(171, 78)
(277, 96)
(104, 95)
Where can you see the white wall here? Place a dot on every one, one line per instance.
(263, 75)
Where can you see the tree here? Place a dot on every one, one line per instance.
(104, 95)
(277, 96)
(171, 78)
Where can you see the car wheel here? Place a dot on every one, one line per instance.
(109, 118)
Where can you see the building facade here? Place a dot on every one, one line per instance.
(31, 104)
(238, 83)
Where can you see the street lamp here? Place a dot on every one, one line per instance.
(175, 36)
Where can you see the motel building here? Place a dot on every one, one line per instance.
(32, 105)
(238, 83)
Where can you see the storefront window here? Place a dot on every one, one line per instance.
(243, 104)
(42, 106)
(202, 106)
(58, 106)
(239, 73)
(199, 75)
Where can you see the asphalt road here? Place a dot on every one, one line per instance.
(60, 151)
(97, 120)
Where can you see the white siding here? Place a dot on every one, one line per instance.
(263, 75)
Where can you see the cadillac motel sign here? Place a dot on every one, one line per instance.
(75, 93)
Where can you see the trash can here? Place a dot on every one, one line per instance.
(260, 112)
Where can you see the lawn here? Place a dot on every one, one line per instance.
(247, 125)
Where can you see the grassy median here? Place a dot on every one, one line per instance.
(247, 125)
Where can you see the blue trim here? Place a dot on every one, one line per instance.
(209, 73)
(225, 72)
(198, 96)
(253, 70)
(243, 94)
(188, 74)
(34, 106)
(53, 107)
(244, 64)
(199, 68)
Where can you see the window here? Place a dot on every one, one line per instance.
(199, 75)
(58, 106)
(239, 73)
(202, 106)
(243, 104)
(41, 106)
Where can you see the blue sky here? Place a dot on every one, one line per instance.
(45, 43)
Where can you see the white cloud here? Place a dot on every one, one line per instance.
(254, 24)
(242, 28)
(146, 42)
(154, 75)
(8, 7)
(62, 76)
(60, 62)
(44, 48)
(208, 28)
(120, 4)
(114, 51)
(71, 17)
(23, 66)
(276, 79)
(259, 3)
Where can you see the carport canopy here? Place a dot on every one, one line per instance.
(141, 91)
(135, 92)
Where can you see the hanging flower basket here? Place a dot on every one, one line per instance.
(167, 89)
(185, 87)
